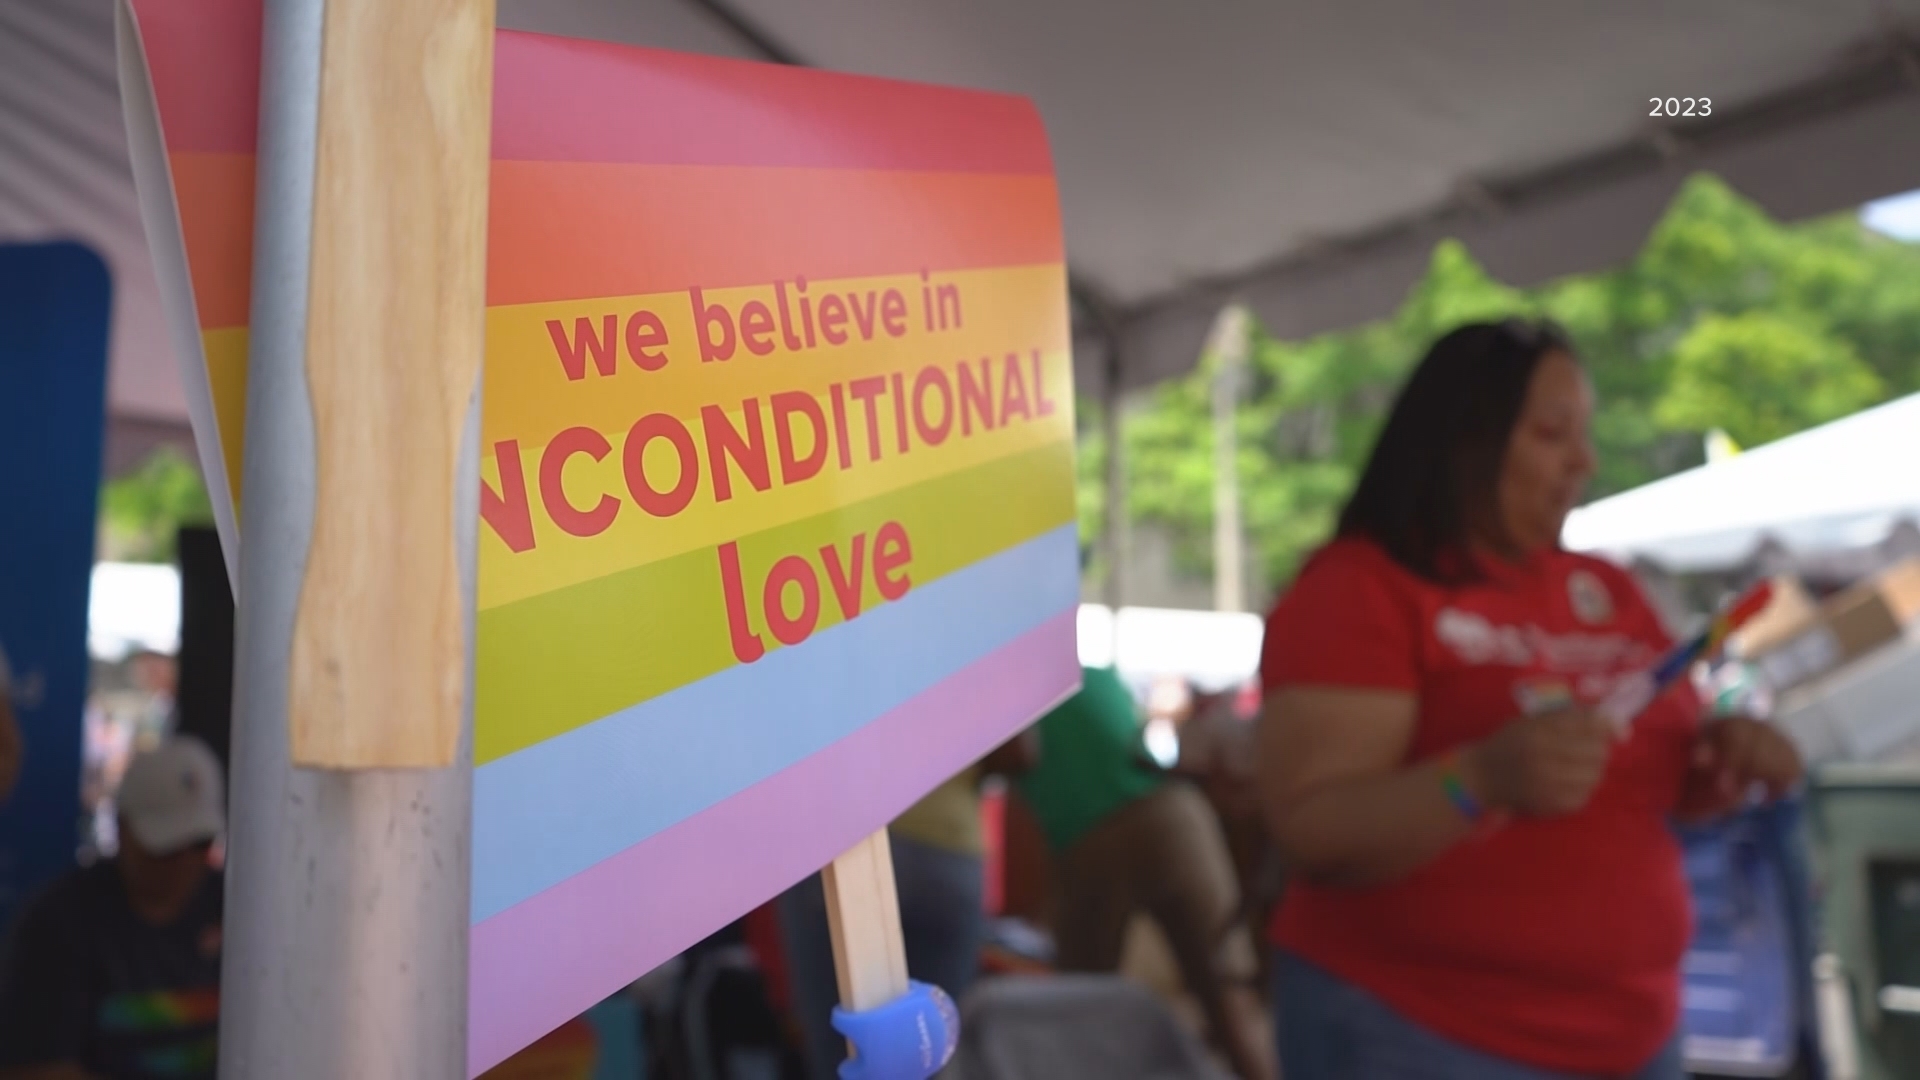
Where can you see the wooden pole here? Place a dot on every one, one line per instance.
(396, 316)
(1229, 560)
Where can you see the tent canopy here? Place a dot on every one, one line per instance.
(1847, 484)
(1302, 157)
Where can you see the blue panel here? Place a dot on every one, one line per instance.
(55, 300)
(1741, 1010)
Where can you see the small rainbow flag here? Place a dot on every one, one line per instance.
(1636, 692)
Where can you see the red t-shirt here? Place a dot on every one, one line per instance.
(1555, 943)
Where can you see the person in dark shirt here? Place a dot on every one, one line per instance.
(113, 973)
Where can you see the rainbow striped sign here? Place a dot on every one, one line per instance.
(778, 518)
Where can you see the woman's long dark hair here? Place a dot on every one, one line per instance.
(1437, 462)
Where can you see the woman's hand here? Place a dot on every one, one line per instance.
(1541, 766)
(1730, 756)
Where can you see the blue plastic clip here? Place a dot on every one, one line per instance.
(909, 1038)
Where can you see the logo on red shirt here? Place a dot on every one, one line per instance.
(1477, 641)
(1592, 603)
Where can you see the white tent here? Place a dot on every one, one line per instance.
(1301, 156)
(1842, 485)
(133, 606)
(1213, 649)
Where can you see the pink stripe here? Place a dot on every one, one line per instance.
(557, 99)
(544, 961)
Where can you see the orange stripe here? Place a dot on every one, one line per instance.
(215, 195)
(564, 231)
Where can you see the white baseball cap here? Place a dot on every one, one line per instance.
(173, 797)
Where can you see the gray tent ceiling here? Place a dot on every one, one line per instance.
(1302, 156)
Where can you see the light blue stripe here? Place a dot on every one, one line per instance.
(545, 813)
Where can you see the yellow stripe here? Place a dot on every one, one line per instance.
(551, 663)
(227, 376)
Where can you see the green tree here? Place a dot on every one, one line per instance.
(1725, 319)
(1760, 377)
(141, 513)
(1304, 426)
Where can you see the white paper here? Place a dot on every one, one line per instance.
(160, 216)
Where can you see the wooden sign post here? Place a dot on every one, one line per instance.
(396, 319)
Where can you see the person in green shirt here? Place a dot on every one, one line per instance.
(1128, 838)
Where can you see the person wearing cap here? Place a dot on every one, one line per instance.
(114, 970)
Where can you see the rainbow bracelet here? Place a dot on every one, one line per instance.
(1456, 789)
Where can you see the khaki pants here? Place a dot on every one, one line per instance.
(1163, 854)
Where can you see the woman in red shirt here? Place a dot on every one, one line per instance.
(1483, 882)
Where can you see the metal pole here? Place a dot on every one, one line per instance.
(1229, 560)
(347, 892)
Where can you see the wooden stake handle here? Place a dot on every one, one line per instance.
(863, 915)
